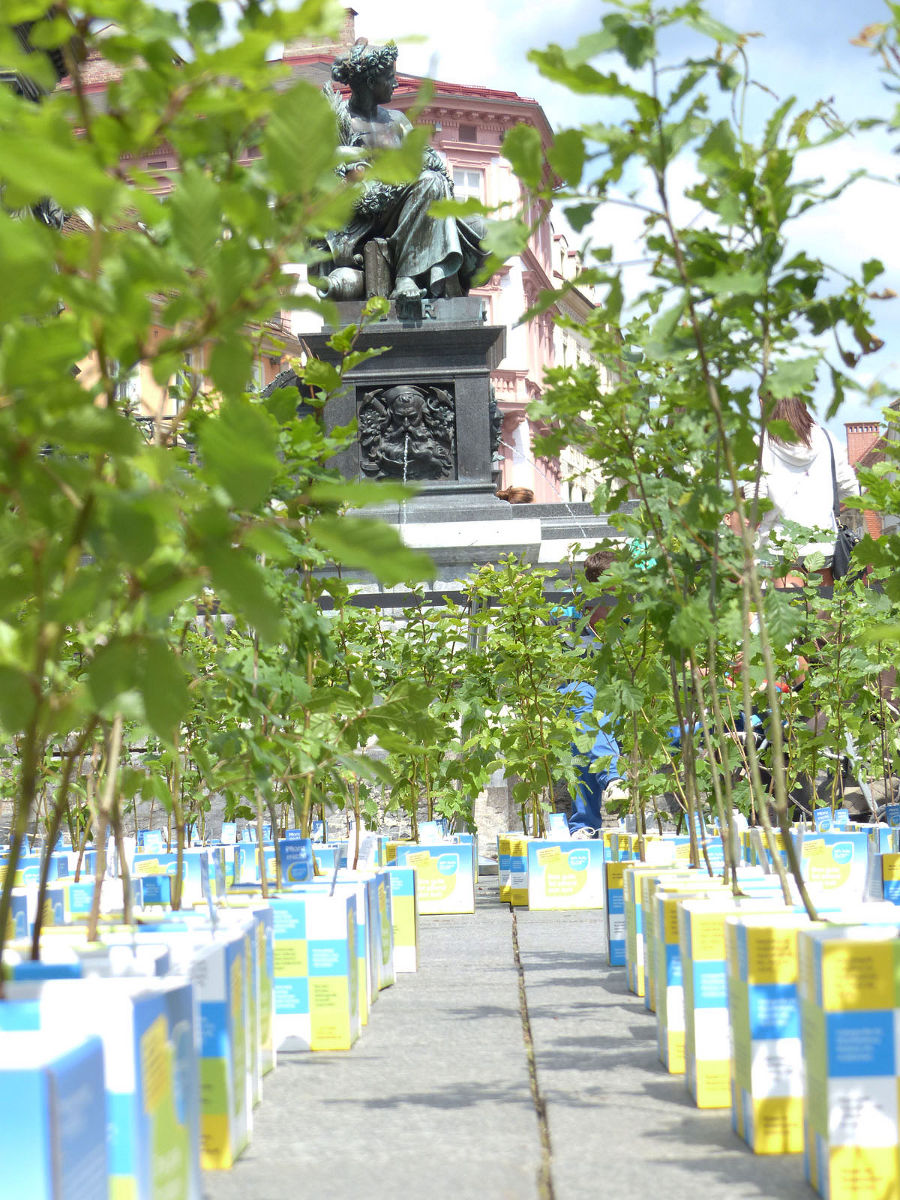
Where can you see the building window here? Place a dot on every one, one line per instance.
(158, 164)
(128, 385)
(467, 183)
(187, 378)
(258, 380)
(468, 133)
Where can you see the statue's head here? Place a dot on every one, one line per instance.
(363, 66)
(405, 401)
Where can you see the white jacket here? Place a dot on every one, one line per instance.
(797, 480)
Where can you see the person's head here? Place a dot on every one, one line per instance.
(794, 412)
(366, 68)
(595, 565)
(516, 495)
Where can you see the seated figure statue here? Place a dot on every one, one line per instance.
(430, 256)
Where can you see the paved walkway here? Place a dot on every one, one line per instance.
(450, 1094)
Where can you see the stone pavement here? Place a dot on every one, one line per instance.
(452, 1093)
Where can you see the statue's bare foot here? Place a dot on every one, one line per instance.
(406, 288)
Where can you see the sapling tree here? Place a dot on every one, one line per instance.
(400, 666)
(530, 651)
(103, 534)
(431, 643)
(732, 319)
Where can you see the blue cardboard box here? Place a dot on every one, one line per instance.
(404, 917)
(565, 874)
(295, 857)
(150, 1070)
(316, 970)
(52, 1117)
(445, 877)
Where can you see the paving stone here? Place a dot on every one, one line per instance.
(613, 1111)
(434, 1100)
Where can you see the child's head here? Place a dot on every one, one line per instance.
(595, 565)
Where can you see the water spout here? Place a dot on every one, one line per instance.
(405, 468)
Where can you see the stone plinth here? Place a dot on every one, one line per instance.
(442, 352)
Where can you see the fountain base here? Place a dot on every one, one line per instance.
(424, 404)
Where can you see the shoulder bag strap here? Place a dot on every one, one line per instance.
(836, 503)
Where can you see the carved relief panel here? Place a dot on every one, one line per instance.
(407, 431)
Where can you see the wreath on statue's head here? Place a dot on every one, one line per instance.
(364, 62)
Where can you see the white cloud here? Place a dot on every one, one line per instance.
(473, 42)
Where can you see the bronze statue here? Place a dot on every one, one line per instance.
(429, 256)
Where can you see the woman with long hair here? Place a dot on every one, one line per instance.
(796, 479)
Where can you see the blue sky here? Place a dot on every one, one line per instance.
(805, 51)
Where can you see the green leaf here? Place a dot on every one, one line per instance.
(17, 699)
(736, 283)
(357, 493)
(320, 374)
(629, 698)
(792, 377)
(719, 153)
(33, 353)
(523, 148)
(783, 617)
(404, 164)
(165, 689)
(195, 205)
(580, 215)
(39, 167)
(580, 77)
(567, 156)
(156, 788)
(243, 584)
(776, 121)
(113, 671)
(659, 342)
(690, 625)
(282, 405)
(871, 270)
(230, 365)
(393, 741)
(300, 138)
(204, 17)
(704, 23)
(133, 528)
(889, 632)
(131, 781)
(458, 208)
(506, 239)
(782, 430)
(91, 428)
(238, 446)
(371, 545)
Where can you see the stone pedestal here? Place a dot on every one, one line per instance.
(494, 813)
(423, 406)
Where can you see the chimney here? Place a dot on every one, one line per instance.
(861, 437)
(346, 38)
